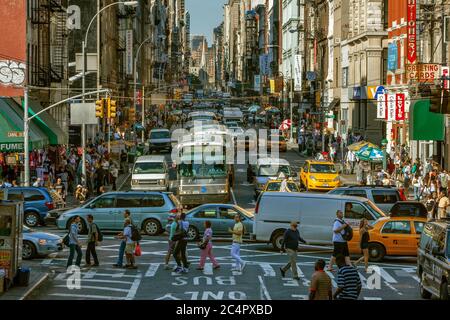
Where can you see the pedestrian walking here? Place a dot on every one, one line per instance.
(206, 247)
(74, 243)
(364, 228)
(181, 238)
(237, 232)
(417, 186)
(320, 288)
(114, 176)
(443, 204)
(93, 239)
(172, 227)
(340, 245)
(348, 281)
(119, 263)
(290, 244)
(130, 245)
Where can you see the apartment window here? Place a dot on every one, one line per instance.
(345, 77)
(384, 66)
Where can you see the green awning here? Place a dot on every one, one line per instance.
(425, 125)
(12, 120)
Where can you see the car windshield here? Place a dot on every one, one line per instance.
(377, 213)
(322, 168)
(270, 170)
(160, 135)
(202, 170)
(149, 167)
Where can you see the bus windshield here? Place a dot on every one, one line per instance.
(201, 170)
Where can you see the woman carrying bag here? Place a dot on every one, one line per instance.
(206, 248)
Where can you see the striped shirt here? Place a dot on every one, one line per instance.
(348, 280)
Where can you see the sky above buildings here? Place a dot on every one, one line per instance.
(205, 16)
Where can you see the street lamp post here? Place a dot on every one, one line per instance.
(83, 48)
(135, 83)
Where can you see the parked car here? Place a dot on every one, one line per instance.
(37, 203)
(53, 215)
(391, 236)
(221, 217)
(159, 139)
(39, 243)
(408, 209)
(149, 211)
(315, 214)
(384, 197)
(433, 260)
(150, 173)
(319, 175)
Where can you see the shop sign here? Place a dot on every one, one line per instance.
(11, 147)
(423, 72)
(15, 134)
(400, 106)
(391, 107)
(411, 31)
(381, 107)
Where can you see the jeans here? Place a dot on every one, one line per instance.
(235, 253)
(207, 252)
(416, 193)
(73, 248)
(91, 250)
(292, 262)
(121, 253)
(180, 253)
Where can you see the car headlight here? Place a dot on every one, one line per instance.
(223, 191)
(134, 181)
(313, 178)
(162, 181)
(42, 242)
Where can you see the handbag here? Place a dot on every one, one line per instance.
(138, 251)
(202, 245)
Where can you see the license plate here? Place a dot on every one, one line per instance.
(326, 185)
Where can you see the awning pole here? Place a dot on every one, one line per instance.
(26, 138)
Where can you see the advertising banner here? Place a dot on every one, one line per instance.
(381, 107)
(298, 73)
(391, 104)
(400, 106)
(411, 31)
(423, 72)
(392, 56)
(129, 52)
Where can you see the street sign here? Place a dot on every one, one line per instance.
(330, 116)
(15, 134)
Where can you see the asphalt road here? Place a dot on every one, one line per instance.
(393, 279)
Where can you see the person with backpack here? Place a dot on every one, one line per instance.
(237, 232)
(118, 264)
(74, 243)
(181, 237)
(130, 244)
(342, 232)
(94, 238)
(171, 229)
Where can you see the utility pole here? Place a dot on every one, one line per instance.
(26, 138)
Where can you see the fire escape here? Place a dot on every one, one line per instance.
(48, 22)
(251, 48)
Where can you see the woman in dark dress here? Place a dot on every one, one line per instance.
(364, 228)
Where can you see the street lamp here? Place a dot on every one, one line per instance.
(135, 84)
(83, 46)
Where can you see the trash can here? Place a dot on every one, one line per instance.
(23, 277)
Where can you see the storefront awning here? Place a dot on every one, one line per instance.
(12, 120)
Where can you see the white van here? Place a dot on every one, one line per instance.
(150, 173)
(315, 214)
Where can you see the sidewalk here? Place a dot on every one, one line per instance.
(37, 278)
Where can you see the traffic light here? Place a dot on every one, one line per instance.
(132, 114)
(99, 108)
(112, 109)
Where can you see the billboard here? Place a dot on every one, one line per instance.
(423, 72)
(298, 73)
(13, 51)
(392, 56)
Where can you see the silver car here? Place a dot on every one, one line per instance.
(39, 243)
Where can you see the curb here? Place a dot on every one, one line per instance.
(35, 287)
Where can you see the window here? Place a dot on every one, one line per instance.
(419, 227)
(227, 213)
(357, 211)
(208, 213)
(153, 201)
(409, 210)
(5, 226)
(356, 193)
(104, 202)
(33, 195)
(338, 192)
(129, 201)
(15, 194)
(397, 227)
(385, 196)
(427, 237)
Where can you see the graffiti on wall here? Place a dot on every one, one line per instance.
(12, 73)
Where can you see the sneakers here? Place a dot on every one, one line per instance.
(283, 273)
(178, 269)
(184, 270)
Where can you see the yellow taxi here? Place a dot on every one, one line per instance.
(391, 236)
(275, 186)
(319, 175)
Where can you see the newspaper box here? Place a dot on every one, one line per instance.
(11, 220)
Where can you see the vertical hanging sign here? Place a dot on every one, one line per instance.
(381, 106)
(129, 52)
(411, 31)
(391, 107)
(400, 106)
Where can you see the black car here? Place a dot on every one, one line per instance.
(408, 209)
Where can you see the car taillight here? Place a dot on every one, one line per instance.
(174, 210)
(50, 205)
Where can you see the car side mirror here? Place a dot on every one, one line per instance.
(436, 252)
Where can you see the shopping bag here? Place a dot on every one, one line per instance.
(137, 251)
